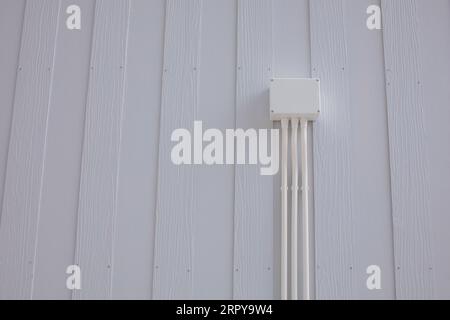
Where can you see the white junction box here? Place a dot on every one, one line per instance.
(294, 98)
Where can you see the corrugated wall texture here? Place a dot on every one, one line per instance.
(86, 118)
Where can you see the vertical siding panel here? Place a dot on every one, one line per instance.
(61, 181)
(133, 267)
(291, 40)
(23, 185)
(253, 224)
(332, 153)
(372, 219)
(11, 22)
(434, 26)
(175, 200)
(409, 163)
(213, 219)
(101, 150)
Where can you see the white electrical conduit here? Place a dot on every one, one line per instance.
(294, 210)
(295, 102)
(284, 209)
(305, 212)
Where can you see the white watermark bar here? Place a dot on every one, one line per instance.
(236, 146)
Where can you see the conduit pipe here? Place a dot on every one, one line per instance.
(284, 209)
(305, 213)
(294, 210)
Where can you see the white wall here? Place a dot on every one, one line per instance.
(85, 124)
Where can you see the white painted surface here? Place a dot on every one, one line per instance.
(253, 214)
(97, 211)
(173, 255)
(26, 151)
(333, 162)
(377, 179)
